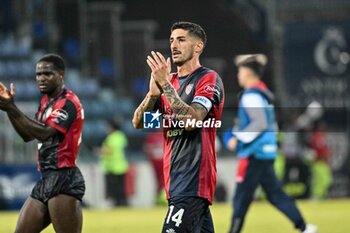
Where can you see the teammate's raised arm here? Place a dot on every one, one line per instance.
(27, 128)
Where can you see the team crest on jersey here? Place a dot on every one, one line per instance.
(188, 89)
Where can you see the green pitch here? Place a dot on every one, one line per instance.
(331, 216)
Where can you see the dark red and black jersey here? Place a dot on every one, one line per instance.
(64, 113)
(189, 156)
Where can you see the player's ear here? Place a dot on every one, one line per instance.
(199, 46)
(61, 74)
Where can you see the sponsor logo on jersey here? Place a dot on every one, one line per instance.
(171, 230)
(60, 114)
(174, 133)
(211, 89)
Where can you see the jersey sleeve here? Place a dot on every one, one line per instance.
(62, 116)
(209, 91)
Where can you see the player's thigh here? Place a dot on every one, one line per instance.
(207, 225)
(269, 180)
(66, 214)
(185, 215)
(247, 184)
(272, 185)
(33, 217)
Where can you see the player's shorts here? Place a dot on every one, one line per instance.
(67, 181)
(188, 215)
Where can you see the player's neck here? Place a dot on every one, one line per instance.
(188, 67)
(56, 92)
(252, 83)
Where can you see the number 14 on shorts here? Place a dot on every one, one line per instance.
(175, 217)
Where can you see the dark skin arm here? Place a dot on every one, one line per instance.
(27, 128)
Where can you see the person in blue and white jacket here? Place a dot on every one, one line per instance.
(255, 143)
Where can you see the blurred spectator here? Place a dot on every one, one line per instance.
(296, 178)
(299, 154)
(321, 172)
(154, 151)
(115, 164)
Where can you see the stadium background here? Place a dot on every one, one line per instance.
(105, 44)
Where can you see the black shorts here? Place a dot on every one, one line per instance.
(188, 215)
(67, 181)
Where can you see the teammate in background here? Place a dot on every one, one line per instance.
(196, 93)
(114, 164)
(56, 197)
(256, 145)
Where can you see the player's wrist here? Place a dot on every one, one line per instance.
(12, 110)
(153, 95)
(160, 81)
(165, 85)
(7, 106)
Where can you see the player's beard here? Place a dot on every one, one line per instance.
(45, 92)
(48, 90)
(181, 62)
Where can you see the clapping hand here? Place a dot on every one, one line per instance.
(154, 89)
(6, 96)
(160, 67)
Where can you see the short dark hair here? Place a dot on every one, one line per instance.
(55, 59)
(255, 62)
(192, 28)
